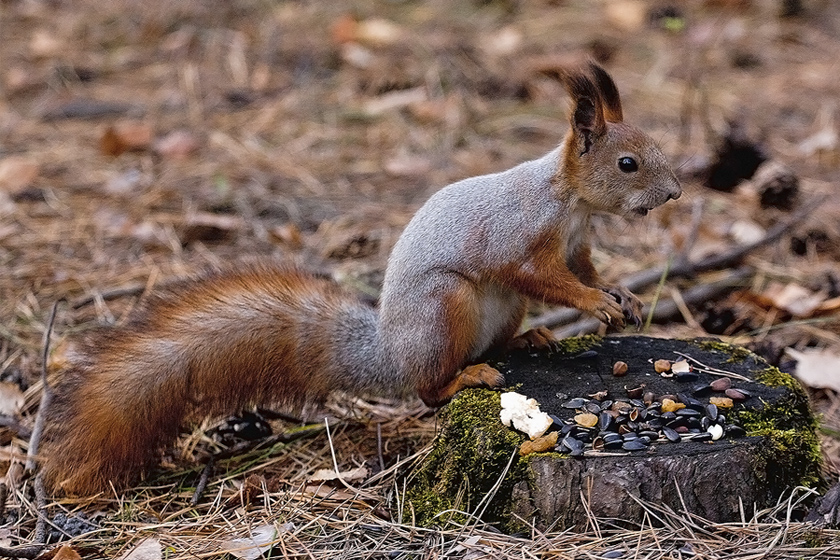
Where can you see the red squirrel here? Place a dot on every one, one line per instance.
(456, 286)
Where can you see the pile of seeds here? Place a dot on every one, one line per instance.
(634, 422)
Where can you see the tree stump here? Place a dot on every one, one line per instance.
(475, 468)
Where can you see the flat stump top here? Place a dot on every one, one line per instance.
(765, 443)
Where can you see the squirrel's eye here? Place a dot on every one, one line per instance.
(628, 164)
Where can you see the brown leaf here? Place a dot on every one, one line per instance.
(343, 30)
(125, 137)
(627, 15)
(323, 475)
(21, 78)
(252, 546)
(178, 144)
(393, 100)
(795, 299)
(67, 553)
(378, 32)
(405, 165)
(288, 234)
(44, 44)
(147, 549)
(11, 398)
(17, 173)
(819, 369)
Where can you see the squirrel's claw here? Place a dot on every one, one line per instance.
(537, 339)
(631, 306)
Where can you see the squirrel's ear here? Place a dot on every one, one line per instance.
(609, 93)
(588, 112)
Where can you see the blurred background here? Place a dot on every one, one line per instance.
(140, 141)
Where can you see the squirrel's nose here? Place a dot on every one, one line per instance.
(676, 190)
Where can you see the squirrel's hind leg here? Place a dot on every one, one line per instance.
(439, 337)
(478, 375)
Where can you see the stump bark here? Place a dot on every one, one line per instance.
(475, 469)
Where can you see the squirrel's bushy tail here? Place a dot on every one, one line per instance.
(258, 335)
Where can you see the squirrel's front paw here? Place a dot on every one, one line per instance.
(607, 309)
(538, 338)
(631, 306)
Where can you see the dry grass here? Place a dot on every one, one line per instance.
(292, 136)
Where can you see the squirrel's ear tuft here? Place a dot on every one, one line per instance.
(609, 93)
(588, 112)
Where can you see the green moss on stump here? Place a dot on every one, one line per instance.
(474, 448)
(578, 344)
(735, 354)
(791, 455)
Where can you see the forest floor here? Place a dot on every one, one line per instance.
(141, 142)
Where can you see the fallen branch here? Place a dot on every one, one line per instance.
(666, 308)
(28, 551)
(41, 504)
(115, 293)
(682, 267)
(46, 395)
(202, 481)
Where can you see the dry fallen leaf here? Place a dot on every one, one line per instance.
(288, 234)
(795, 299)
(44, 44)
(148, 549)
(66, 553)
(627, 15)
(503, 42)
(125, 137)
(322, 475)
(819, 369)
(404, 165)
(328, 492)
(11, 398)
(177, 145)
(393, 100)
(375, 32)
(343, 30)
(378, 32)
(17, 173)
(252, 547)
(746, 232)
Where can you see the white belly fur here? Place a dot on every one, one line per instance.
(496, 308)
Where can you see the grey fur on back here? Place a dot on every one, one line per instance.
(465, 229)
